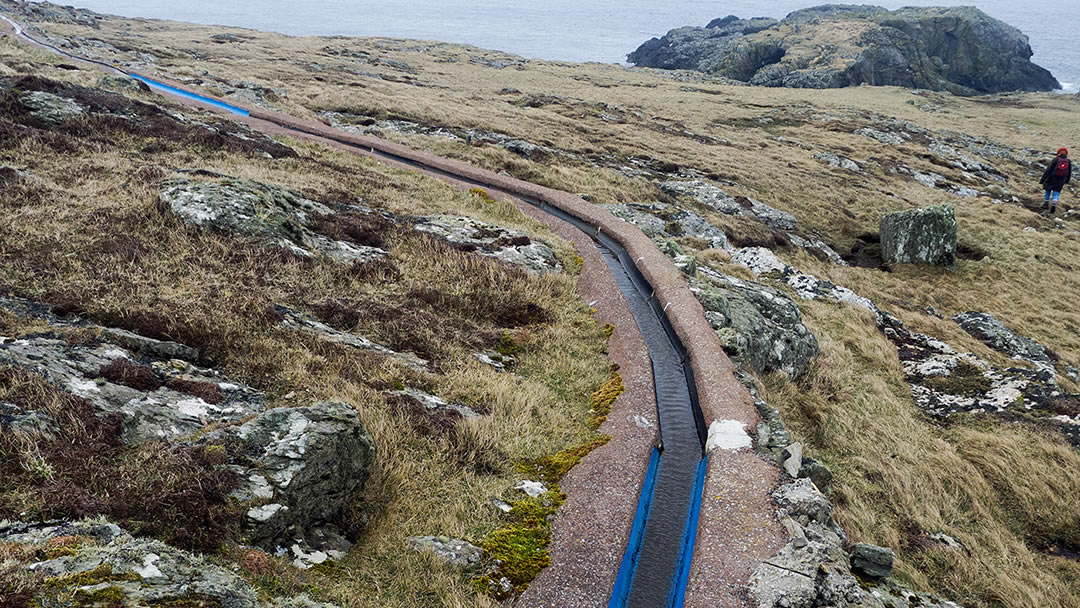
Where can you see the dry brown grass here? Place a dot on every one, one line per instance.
(95, 241)
(1006, 492)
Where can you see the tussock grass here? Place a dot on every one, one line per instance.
(1004, 491)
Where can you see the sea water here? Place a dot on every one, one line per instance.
(568, 30)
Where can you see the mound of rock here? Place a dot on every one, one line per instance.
(98, 564)
(660, 221)
(51, 109)
(718, 200)
(270, 213)
(301, 466)
(957, 49)
(298, 468)
(757, 324)
(157, 400)
(925, 236)
(490, 240)
(990, 330)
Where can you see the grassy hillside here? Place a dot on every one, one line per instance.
(83, 232)
(1005, 490)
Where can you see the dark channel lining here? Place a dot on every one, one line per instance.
(658, 555)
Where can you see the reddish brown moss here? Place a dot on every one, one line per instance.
(123, 371)
(207, 391)
(171, 493)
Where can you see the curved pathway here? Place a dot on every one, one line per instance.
(737, 527)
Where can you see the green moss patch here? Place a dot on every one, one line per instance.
(603, 399)
(520, 546)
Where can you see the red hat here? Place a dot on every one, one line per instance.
(1063, 151)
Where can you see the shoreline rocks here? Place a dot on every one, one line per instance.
(961, 50)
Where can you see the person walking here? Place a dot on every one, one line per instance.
(1057, 174)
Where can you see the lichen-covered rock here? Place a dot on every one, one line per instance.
(957, 49)
(125, 84)
(273, 214)
(925, 235)
(301, 467)
(454, 552)
(15, 418)
(757, 324)
(839, 162)
(492, 241)
(102, 565)
(993, 332)
(49, 108)
(662, 221)
(682, 260)
(156, 399)
(718, 200)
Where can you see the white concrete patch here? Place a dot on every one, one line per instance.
(727, 435)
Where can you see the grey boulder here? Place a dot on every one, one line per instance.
(660, 221)
(925, 236)
(300, 467)
(713, 197)
(133, 572)
(872, 560)
(157, 401)
(994, 334)
(51, 109)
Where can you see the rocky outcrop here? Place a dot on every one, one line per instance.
(297, 468)
(662, 221)
(297, 321)
(814, 568)
(957, 49)
(757, 324)
(156, 400)
(269, 213)
(718, 200)
(994, 334)
(51, 109)
(98, 564)
(489, 240)
(301, 466)
(925, 236)
(943, 381)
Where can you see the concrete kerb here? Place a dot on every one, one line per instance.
(721, 395)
